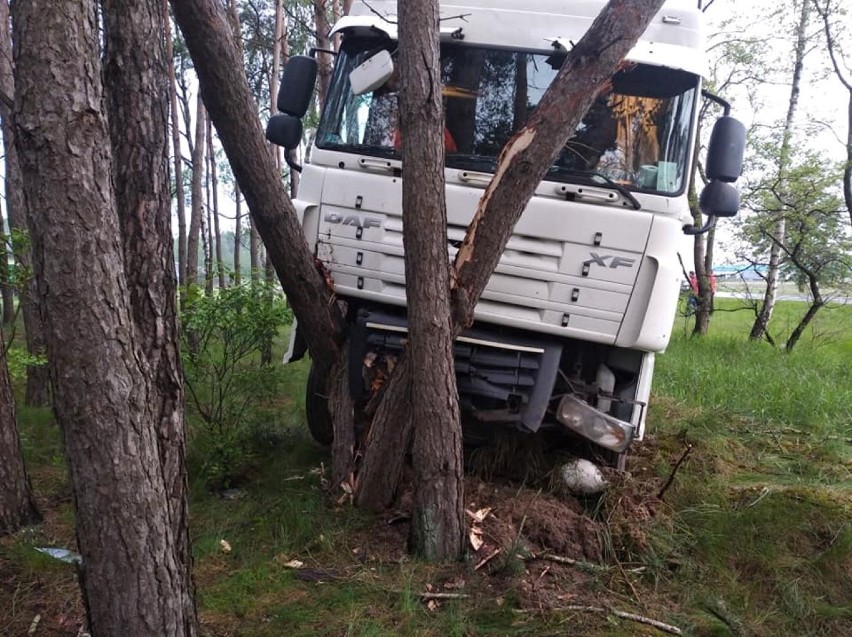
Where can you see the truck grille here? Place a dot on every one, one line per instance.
(500, 377)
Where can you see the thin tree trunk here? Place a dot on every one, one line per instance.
(38, 379)
(269, 278)
(702, 251)
(132, 581)
(324, 60)
(7, 290)
(796, 334)
(292, 154)
(197, 208)
(779, 232)
(17, 504)
(176, 150)
(238, 231)
(207, 224)
(214, 211)
(278, 45)
(816, 305)
(254, 251)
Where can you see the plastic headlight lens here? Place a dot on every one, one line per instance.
(601, 428)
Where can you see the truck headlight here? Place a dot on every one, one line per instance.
(601, 428)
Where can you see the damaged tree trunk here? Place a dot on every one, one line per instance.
(523, 162)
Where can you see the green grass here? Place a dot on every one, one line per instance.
(763, 509)
(754, 538)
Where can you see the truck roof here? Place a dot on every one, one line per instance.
(674, 38)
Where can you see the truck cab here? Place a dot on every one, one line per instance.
(587, 289)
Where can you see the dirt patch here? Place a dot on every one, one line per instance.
(517, 529)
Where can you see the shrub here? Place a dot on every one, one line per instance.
(223, 335)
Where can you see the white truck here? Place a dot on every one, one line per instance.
(587, 289)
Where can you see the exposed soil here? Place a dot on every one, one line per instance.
(513, 533)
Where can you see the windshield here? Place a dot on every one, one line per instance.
(636, 134)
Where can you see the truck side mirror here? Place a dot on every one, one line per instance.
(726, 150)
(297, 85)
(719, 199)
(284, 130)
(372, 73)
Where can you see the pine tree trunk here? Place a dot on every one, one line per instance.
(217, 234)
(197, 206)
(702, 251)
(7, 291)
(17, 505)
(176, 151)
(437, 522)
(207, 230)
(132, 579)
(779, 231)
(208, 210)
(254, 251)
(325, 63)
(136, 74)
(238, 232)
(38, 380)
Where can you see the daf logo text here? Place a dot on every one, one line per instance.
(352, 220)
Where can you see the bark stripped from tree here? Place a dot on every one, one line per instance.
(761, 321)
(17, 505)
(527, 156)
(38, 381)
(125, 475)
(230, 105)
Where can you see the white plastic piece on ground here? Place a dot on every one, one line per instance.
(582, 477)
(63, 555)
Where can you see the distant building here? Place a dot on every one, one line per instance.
(738, 271)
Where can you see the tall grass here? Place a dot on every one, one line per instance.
(760, 525)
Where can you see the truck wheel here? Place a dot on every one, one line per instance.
(316, 409)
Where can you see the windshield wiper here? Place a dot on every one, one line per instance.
(597, 179)
(470, 162)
